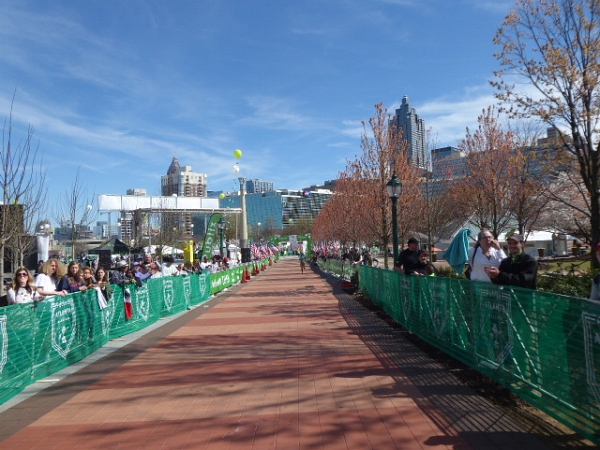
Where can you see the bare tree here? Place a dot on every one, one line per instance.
(384, 153)
(555, 46)
(22, 181)
(484, 194)
(76, 209)
(33, 208)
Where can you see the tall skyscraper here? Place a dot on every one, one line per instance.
(413, 131)
(182, 182)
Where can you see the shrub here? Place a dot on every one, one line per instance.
(572, 285)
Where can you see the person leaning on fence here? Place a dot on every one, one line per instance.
(426, 267)
(119, 276)
(519, 269)
(486, 253)
(409, 259)
(130, 274)
(88, 277)
(102, 282)
(168, 268)
(155, 271)
(595, 294)
(22, 289)
(141, 271)
(74, 275)
(52, 281)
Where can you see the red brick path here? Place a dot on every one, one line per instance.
(277, 363)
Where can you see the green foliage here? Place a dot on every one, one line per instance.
(448, 272)
(572, 285)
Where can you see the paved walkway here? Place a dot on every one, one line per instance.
(285, 361)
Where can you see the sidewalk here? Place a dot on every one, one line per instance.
(286, 361)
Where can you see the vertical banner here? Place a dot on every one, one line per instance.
(43, 245)
(210, 236)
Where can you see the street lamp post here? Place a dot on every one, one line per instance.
(221, 225)
(394, 189)
(244, 226)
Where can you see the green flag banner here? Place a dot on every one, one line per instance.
(210, 236)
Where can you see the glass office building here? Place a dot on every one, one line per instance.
(281, 208)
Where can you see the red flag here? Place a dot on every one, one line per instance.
(128, 304)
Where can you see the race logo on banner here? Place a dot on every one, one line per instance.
(591, 336)
(187, 290)
(168, 292)
(406, 297)
(495, 331)
(439, 306)
(107, 314)
(204, 286)
(388, 288)
(143, 302)
(4, 345)
(64, 326)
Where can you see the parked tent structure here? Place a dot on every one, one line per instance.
(114, 245)
(106, 250)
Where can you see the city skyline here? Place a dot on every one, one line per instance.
(119, 89)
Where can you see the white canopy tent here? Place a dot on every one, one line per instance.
(166, 250)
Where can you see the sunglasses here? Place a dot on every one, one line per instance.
(22, 274)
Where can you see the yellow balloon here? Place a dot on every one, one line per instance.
(237, 153)
(221, 196)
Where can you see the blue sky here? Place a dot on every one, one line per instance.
(118, 87)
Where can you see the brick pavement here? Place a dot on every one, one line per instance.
(286, 361)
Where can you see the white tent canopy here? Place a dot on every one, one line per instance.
(537, 236)
(166, 250)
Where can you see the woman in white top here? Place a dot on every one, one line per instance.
(52, 281)
(22, 288)
(487, 253)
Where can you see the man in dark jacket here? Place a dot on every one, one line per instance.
(519, 269)
(409, 259)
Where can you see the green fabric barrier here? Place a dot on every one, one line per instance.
(39, 339)
(544, 347)
(342, 269)
(222, 280)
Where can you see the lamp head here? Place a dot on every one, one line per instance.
(394, 187)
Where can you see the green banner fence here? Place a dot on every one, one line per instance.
(342, 269)
(544, 347)
(38, 339)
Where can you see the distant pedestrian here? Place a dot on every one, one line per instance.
(302, 258)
